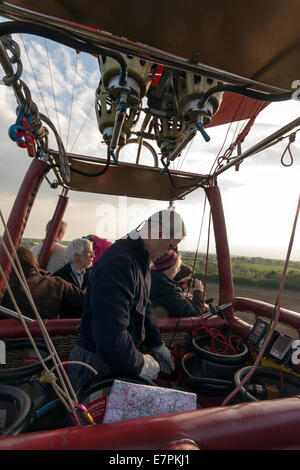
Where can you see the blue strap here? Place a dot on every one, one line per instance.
(165, 168)
(111, 152)
(203, 132)
(12, 131)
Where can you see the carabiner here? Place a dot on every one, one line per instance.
(22, 129)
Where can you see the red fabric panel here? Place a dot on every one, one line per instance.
(235, 107)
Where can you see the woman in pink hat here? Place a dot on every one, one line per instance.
(167, 296)
(99, 245)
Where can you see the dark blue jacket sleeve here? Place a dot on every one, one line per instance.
(111, 296)
(169, 295)
(177, 304)
(153, 336)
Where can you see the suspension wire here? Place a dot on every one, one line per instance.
(72, 99)
(226, 135)
(52, 86)
(241, 124)
(242, 101)
(181, 161)
(200, 232)
(242, 133)
(222, 146)
(83, 123)
(206, 260)
(34, 74)
(240, 138)
(195, 259)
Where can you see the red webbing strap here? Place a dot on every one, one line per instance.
(243, 134)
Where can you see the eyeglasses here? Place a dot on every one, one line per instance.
(172, 246)
(90, 252)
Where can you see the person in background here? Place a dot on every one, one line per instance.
(53, 297)
(57, 257)
(79, 258)
(99, 245)
(183, 272)
(117, 316)
(167, 296)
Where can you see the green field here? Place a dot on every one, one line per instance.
(258, 272)
(258, 266)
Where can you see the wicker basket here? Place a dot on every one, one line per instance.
(180, 340)
(19, 356)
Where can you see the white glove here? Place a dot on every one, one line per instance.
(165, 359)
(150, 368)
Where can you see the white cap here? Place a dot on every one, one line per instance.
(169, 222)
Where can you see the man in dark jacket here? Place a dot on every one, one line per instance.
(117, 316)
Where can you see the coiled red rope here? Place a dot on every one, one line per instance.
(216, 336)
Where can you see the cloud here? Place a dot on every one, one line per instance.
(253, 198)
(61, 88)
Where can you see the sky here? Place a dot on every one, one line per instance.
(259, 200)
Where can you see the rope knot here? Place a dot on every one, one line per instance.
(49, 376)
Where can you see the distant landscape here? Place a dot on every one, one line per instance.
(247, 271)
(256, 278)
(29, 242)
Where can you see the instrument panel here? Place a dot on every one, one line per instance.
(280, 346)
